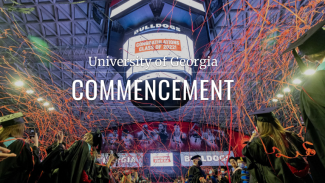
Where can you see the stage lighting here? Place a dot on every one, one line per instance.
(46, 104)
(124, 7)
(309, 72)
(19, 83)
(279, 95)
(51, 108)
(296, 81)
(275, 100)
(40, 99)
(29, 91)
(193, 4)
(287, 89)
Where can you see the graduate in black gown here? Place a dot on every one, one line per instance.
(312, 95)
(263, 164)
(17, 169)
(223, 176)
(99, 173)
(5, 153)
(195, 173)
(236, 174)
(45, 172)
(102, 173)
(74, 164)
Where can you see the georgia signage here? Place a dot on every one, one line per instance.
(209, 158)
(125, 159)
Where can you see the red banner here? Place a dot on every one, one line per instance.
(172, 136)
(161, 159)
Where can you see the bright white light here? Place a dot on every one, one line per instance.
(129, 72)
(19, 83)
(309, 72)
(29, 91)
(279, 95)
(275, 100)
(123, 7)
(119, 9)
(296, 81)
(46, 104)
(287, 89)
(51, 108)
(39, 99)
(193, 4)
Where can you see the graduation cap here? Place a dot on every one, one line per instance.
(116, 156)
(97, 139)
(232, 158)
(125, 131)
(264, 115)
(312, 42)
(196, 156)
(239, 158)
(12, 119)
(243, 159)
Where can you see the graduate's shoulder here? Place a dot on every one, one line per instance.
(193, 169)
(80, 143)
(258, 140)
(20, 146)
(19, 143)
(315, 82)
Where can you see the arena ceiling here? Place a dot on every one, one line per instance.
(69, 34)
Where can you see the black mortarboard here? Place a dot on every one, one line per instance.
(232, 158)
(313, 41)
(265, 115)
(116, 156)
(196, 156)
(237, 158)
(12, 119)
(125, 131)
(97, 139)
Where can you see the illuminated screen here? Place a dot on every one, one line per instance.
(158, 45)
(161, 159)
(123, 7)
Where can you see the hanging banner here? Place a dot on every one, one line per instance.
(130, 160)
(161, 159)
(209, 158)
(166, 136)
